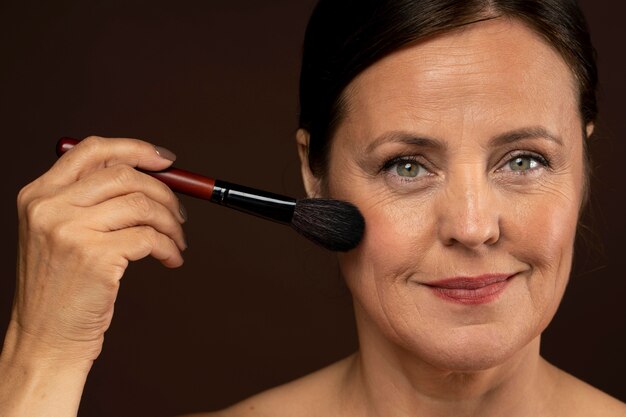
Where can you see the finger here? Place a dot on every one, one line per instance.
(136, 243)
(95, 153)
(120, 180)
(131, 210)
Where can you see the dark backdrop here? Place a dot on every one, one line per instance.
(255, 305)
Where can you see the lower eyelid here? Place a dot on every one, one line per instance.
(391, 176)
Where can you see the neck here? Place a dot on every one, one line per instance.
(386, 380)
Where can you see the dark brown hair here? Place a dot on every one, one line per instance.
(344, 37)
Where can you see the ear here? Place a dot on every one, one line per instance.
(312, 184)
(590, 128)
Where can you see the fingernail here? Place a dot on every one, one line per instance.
(165, 153)
(183, 211)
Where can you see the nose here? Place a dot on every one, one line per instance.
(468, 213)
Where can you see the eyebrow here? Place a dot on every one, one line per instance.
(532, 132)
(405, 138)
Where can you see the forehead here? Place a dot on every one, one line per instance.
(488, 76)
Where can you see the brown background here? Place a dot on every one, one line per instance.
(255, 305)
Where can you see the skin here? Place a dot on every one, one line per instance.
(466, 213)
(80, 224)
(484, 96)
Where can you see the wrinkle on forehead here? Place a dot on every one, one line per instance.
(482, 72)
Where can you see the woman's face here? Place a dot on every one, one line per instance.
(464, 153)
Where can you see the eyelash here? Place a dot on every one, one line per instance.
(393, 162)
(388, 165)
(543, 161)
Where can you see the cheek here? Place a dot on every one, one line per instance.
(545, 234)
(393, 233)
(541, 234)
(397, 237)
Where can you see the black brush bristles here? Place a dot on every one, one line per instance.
(333, 224)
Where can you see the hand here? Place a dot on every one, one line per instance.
(79, 226)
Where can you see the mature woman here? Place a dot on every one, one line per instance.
(457, 127)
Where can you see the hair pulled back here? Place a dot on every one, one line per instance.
(344, 37)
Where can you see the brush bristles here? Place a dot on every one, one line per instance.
(335, 225)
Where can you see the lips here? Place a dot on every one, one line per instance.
(471, 290)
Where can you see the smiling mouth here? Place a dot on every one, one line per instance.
(471, 290)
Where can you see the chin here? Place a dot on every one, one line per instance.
(467, 349)
(473, 353)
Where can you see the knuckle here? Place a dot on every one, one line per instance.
(37, 212)
(92, 141)
(24, 196)
(124, 174)
(172, 199)
(93, 145)
(62, 234)
(141, 204)
(150, 238)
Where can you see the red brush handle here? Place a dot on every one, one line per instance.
(178, 180)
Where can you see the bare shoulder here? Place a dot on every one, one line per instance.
(312, 395)
(585, 400)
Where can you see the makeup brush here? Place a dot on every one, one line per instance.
(333, 224)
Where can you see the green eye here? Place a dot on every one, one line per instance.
(523, 163)
(408, 169)
(404, 168)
